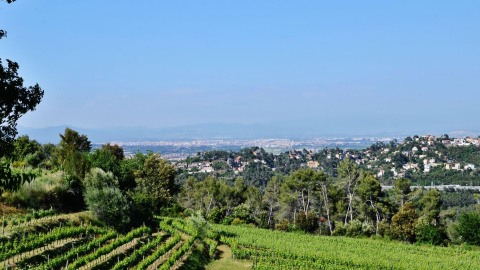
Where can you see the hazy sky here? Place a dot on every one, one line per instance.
(349, 65)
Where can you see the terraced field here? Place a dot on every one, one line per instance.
(82, 246)
(57, 244)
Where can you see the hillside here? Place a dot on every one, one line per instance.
(77, 242)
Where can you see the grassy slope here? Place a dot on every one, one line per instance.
(224, 260)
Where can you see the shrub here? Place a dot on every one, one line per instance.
(469, 227)
(340, 229)
(199, 224)
(307, 222)
(216, 215)
(433, 235)
(237, 221)
(109, 205)
(283, 226)
(383, 228)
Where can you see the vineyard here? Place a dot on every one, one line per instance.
(269, 249)
(79, 245)
(58, 243)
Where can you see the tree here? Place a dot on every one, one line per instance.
(157, 179)
(15, 101)
(270, 198)
(71, 152)
(109, 205)
(370, 191)
(307, 222)
(404, 222)
(402, 189)
(431, 205)
(469, 227)
(325, 198)
(199, 224)
(349, 172)
(24, 146)
(108, 158)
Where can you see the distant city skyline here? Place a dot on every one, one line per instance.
(334, 67)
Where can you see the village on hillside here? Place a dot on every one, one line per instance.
(414, 155)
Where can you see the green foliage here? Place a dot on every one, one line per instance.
(434, 235)
(469, 227)
(431, 204)
(157, 179)
(269, 249)
(404, 222)
(12, 180)
(216, 215)
(199, 224)
(23, 146)
(402, 189)
(110, 205)
(237, 221)
(357, 228)
(15, 101)
(243, 212)
(108, 248)
(71, 152)
(307, 222)
(99, 179)
(283, 226)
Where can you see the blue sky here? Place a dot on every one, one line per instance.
(351, 66)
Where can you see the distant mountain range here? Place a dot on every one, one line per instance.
(227, 131)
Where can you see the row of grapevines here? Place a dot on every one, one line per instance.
(349, 252)
(138, 253)
(159, 252)
(183, 227)
(178, 254)
(42, 240)
(83, 249)
(212, 246)
(107, 249)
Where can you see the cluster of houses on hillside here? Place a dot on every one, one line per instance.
(417, 154)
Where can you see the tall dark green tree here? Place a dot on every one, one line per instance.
(157, 180)
(15, 101)
(71, 152)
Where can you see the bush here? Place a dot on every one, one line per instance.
(97, 178)
(109, 205)
(227, 220)
(199, 224)
(237, 221)
(383, 228)
(283, 226)
(216, 215)
(243, 212)
(262, 220)
(340, 229)
(469, 227)
(307, 222)
(434, 235)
